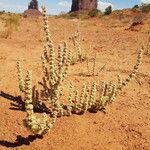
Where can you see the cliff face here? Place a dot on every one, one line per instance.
(33, 5)
(79, 5)
(33, 9)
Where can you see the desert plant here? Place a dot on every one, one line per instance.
(54, 73)
(11, 24)
(20, 77)
(2, 12)
(78, 55)
(91, 69)
(94, 97)
(133, 73)
(145, 7)
(91, 97)
(94, 13)
(108, 10)
(40, 125)
(136, 8)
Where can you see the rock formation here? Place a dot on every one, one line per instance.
(81, 5)
(33, 5)
(33, 9)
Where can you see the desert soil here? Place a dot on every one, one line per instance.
(126, 123)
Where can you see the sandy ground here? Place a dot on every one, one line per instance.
(126, 124)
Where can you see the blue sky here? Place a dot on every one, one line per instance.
(57, 6)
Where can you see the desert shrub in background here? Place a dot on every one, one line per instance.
(145, 8)
(2, 12)
(136, 8)
(108, 10)
(71, 15)
(11, 24)
(92, 96)
(94, 13)
(79, 15)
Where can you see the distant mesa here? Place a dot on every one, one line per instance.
(84, 5)
(33, 9)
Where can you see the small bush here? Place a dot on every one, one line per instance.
(145, 8)
(73, 15)
(108, 10)
(2, 12)
(135, 8)
(93, 13)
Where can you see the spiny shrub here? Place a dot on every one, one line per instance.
(92, 97)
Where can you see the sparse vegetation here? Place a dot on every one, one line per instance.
(145, 8)
(11, 24)
(92, 97)
(80, 15)
(78, 55)
(108, 10)
(94, 13)
(91, 69)
(93, 108)
(2, 12)
(135, 8)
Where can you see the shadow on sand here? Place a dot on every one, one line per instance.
(20, 141)
(17, 104)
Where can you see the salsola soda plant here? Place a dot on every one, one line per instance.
(92, 96)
